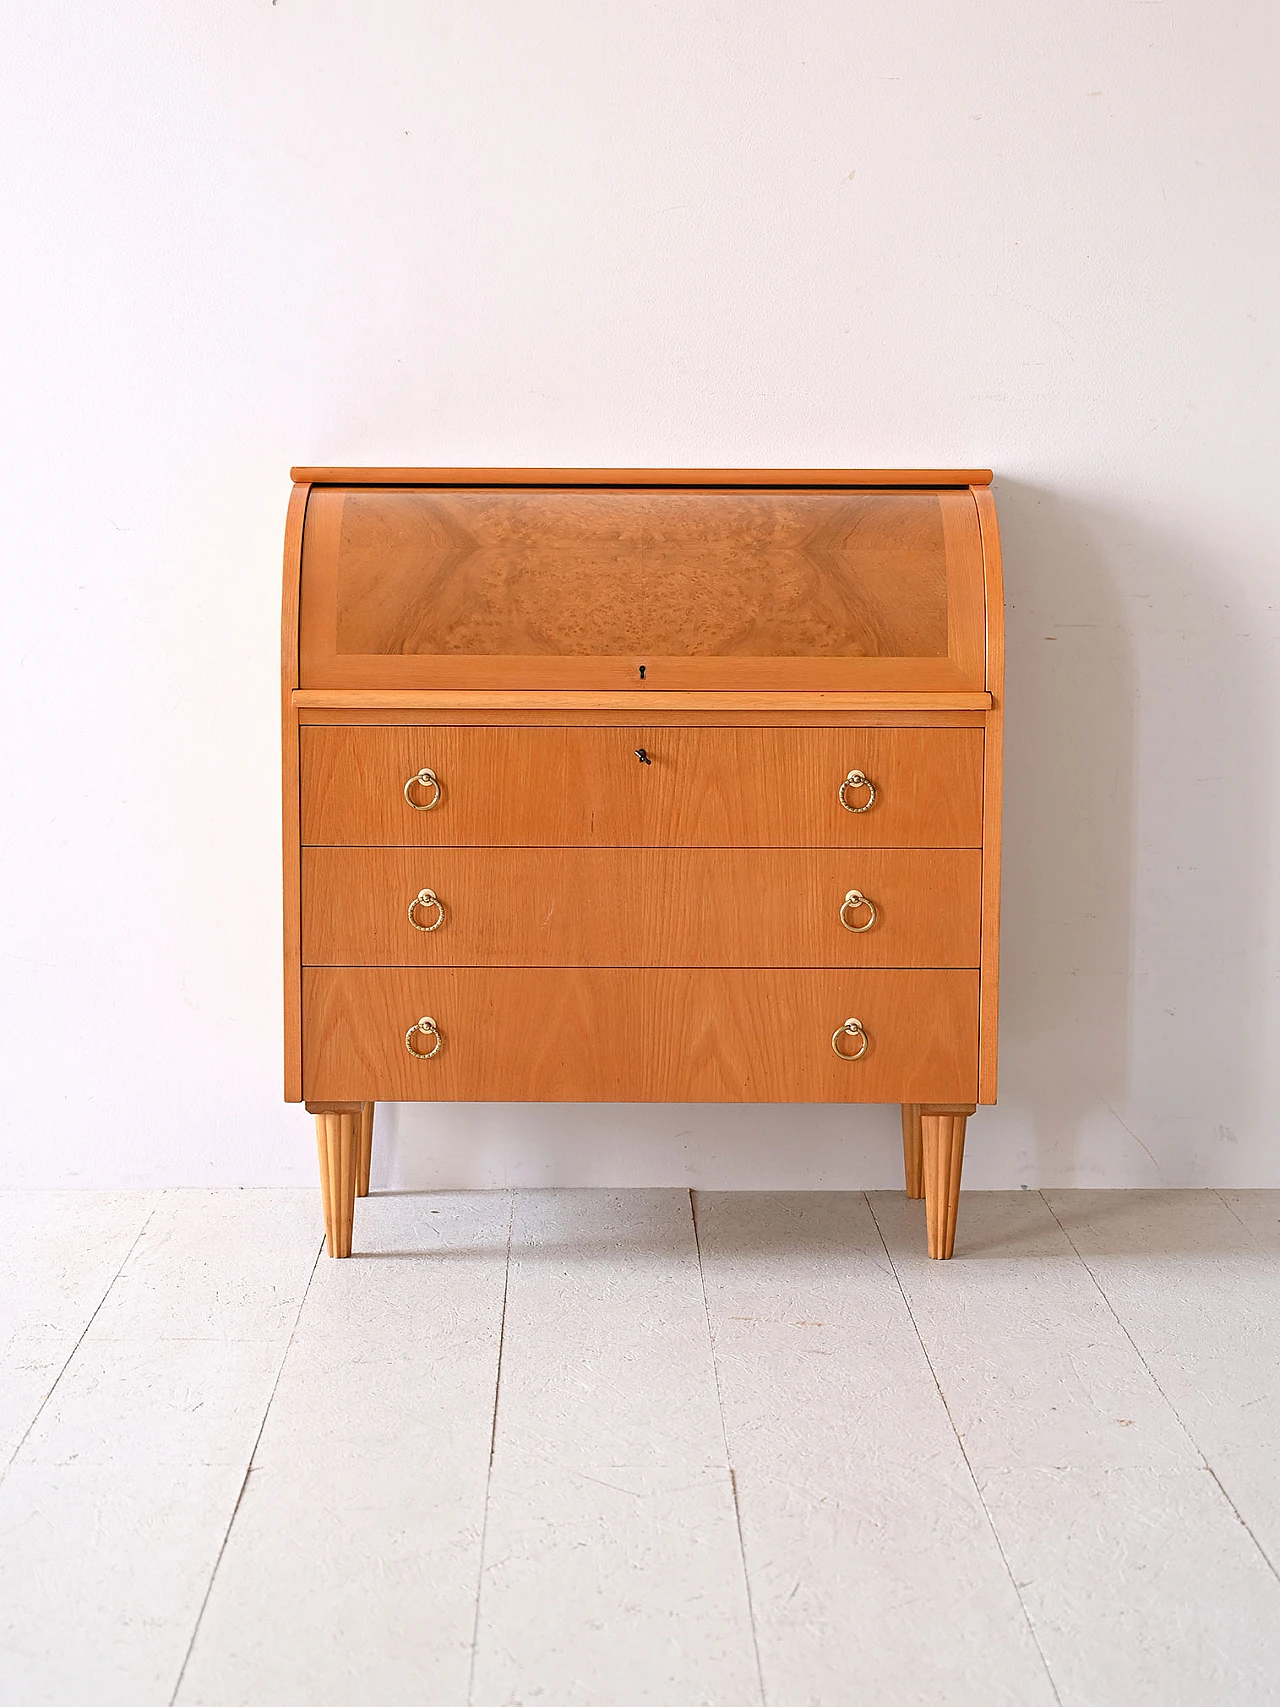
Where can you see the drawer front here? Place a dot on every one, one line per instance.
(586, 787)
(612, 1035)
(641, 907)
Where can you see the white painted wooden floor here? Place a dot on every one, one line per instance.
(560, 1448)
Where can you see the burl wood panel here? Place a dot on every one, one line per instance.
(640, 907)
(585, 787)
(759, 589)
(679, 574)
(622, 1036)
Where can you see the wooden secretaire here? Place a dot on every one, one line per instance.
(642, 785)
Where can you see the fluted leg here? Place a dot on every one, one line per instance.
(338, 1141)
(942, 1144)
(912, 1159)
(366, 1150)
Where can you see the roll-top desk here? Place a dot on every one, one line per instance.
(642, 785)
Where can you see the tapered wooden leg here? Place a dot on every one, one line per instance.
(942, 1145)
(338, 1141)
(366, 1150)
(912, 1159)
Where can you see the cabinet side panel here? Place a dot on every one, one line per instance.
(992, 790)
(290, 799)
(966, 602)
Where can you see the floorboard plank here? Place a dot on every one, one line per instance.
(1194, 1278)
(874, 1572)
(1090, 1479)
(122, 1491)
(1141, 1583)
(350, 1573)
(1259, 1211)
(59, 1252)
(612, 1568)
(1142, 1586)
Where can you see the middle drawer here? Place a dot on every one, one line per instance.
(641, 906)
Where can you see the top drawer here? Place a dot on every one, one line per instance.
(588, 787)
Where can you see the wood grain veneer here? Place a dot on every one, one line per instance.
(992, 799)
(640, 690)
(527, 713)
(291, 794)
(606, 1035)
(760, 589)
(554, 787)
(674, 573)
(838, 477)
(641, 907)
(641, 704)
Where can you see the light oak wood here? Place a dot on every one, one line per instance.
(607, 1035)
(942, 1128)
(836, 477)
(757, 590)
(338, 1143)
(912, 1154)
(292, 834)
(993, 794)
(966, 590)
(531, 716)
(599, 672)
(366, 1150)
(639, 704)
(655, 927)
(640, 907)
(526, 787)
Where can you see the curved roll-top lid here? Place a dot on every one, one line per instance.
(705, 587)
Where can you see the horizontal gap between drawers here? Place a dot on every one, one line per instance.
(659, 847)
(611, 966)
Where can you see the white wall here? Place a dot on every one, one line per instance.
(862, 232)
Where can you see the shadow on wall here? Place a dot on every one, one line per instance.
(714, 1146)
(1137, 738)
(1137, 744)
(1069, 785)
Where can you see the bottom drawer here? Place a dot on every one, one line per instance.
(619, 1035)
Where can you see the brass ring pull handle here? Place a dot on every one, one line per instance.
(852, 901)
(428, 1028)
(850, 1028)
(856, 779)
(427, 898)
(426, 778)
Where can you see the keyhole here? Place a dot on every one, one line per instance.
(642, 670)
(643, 756)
